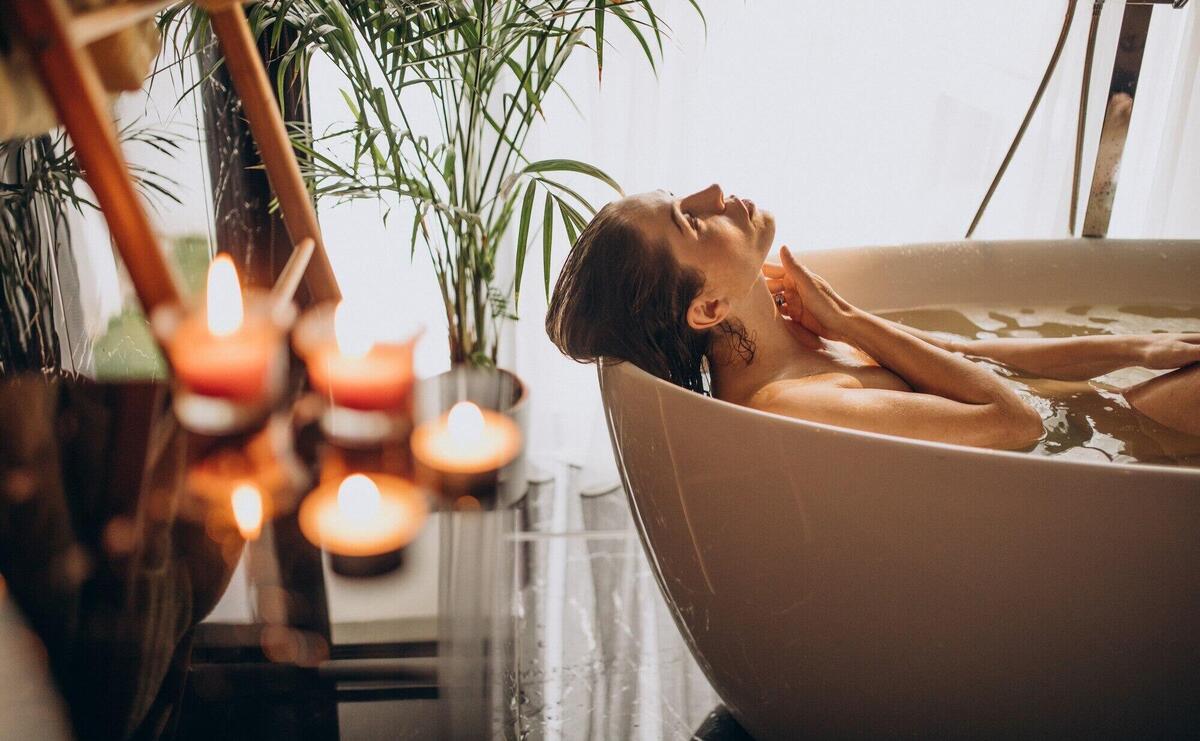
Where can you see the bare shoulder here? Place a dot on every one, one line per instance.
(768, 397)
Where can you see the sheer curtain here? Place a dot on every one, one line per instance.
(863, 123)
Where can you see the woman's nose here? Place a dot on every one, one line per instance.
(709, 200)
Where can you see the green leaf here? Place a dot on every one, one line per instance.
(582, 201)
(566, 165)
(599, 23)
(523, 239)
(547, 240)
(569, 221)
(654, 23)
(637, 34)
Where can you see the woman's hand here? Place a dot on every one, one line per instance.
(807, 299)
(1168, 351)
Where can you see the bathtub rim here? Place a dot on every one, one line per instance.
(932, 446)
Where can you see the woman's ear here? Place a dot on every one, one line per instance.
(706, 313)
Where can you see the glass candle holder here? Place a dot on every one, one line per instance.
(362, 368)
(468, 443)
(225, 380)
(364, 521)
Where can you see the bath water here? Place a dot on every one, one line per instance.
(1087, 420)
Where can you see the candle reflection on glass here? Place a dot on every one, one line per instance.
(247, 505)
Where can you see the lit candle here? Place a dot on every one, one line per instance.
(364, 521)
(247, 505)
(355, 367)
(467, 440)
(222, 351)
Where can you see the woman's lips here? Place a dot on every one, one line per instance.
(750, 207)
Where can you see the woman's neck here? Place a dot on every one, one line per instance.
(776, 351)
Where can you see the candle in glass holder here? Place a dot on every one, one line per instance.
(467, 440)
(223, 351)
(351, 365)
(364, 521)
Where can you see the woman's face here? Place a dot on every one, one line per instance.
(726, 239)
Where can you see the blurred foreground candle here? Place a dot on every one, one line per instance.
(227, 357)
(221, 351)
(364, 521)
(462, 451)
(349, 360)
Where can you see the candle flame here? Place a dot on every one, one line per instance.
(358, 498)
(248, 510)
(224, 297)
(464, 423)
(352, 330)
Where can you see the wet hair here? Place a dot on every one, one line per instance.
(619, 296)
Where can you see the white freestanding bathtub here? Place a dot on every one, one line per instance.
(836, 583)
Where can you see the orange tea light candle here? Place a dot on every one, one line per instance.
(467, 440)
(356, 371)
(363, 515)
(221, 351)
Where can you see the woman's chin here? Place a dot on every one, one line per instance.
(766, 230)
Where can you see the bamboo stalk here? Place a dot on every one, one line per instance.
(97, 24)
(266, 125)
(72, 83)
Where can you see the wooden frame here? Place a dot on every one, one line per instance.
(56, 39)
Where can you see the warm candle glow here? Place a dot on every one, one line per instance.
(467, 440)
(352, 330)
(363, 515)
(248, 510)
(224, 297)
(358, 498)
(464, 423)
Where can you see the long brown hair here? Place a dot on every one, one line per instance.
(621, 297)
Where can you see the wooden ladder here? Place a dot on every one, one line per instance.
(56, 38)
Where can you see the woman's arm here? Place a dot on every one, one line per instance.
(957, 400)
(1076, 358)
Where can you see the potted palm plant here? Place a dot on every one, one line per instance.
(486, 66)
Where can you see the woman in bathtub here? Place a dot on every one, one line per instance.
(673, 283)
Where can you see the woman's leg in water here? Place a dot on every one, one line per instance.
(1172, 399)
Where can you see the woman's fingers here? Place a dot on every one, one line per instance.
(795, 270)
